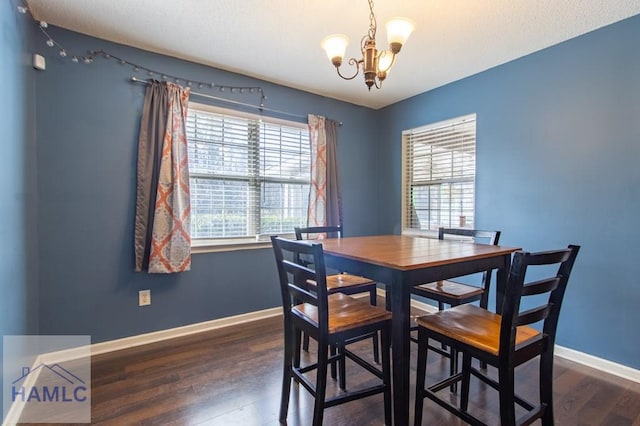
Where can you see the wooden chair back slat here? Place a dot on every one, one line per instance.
(299, 286)
(541, 286)
(534, 315)
(550, 257)
(492, 237)
(329, 231)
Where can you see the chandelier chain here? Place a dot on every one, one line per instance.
(372, 22)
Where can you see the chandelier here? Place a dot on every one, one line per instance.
(375, 64)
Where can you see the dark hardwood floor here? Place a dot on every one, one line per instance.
(232, 377)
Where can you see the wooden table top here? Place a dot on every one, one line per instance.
(404, 252)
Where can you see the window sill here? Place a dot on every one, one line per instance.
(216, 246)
(423, 234)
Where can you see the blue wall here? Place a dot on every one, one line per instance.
(18, 260)
(558, 142)
(558, 146)
(88, 118)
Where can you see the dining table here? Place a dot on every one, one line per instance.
(400, 262)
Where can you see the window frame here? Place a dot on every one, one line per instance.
(204, 245)
(406, 228)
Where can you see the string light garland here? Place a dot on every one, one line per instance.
(151, 73)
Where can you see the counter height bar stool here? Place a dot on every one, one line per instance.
(504, 341)
(342, 282)
(333, 320)
(453, 293)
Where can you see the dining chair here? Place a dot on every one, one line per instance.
(454, 293)
(333, 320)
(504, 340)
(341, 282)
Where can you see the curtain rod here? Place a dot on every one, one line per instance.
(204, 95)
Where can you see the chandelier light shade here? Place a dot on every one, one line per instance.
(335, 45)
(375, 64)
(398, 31)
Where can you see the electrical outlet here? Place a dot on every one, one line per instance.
(144, 297)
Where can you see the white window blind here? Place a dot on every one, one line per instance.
(439, 169)
(249, 176)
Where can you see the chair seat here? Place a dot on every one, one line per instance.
(473, 326)
(450, 290)
(340, 282)
(345, 313)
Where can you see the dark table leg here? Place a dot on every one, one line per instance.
(400, 350)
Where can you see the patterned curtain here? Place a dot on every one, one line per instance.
(325, 199)
(163, 211)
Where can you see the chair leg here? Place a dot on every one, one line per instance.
(286, 372)
(305, 342)
(284, 398)
(334, 370)
(441, 308)
(466, 380)
(373, 299)
(376, 349)
(546, 387)
(342, 374)
(386, 372)
(453, 367)
(507, 396)
(297, 334)
(421, 372)
(321, 383)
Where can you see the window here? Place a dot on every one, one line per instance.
(439, 169)
(249, 175)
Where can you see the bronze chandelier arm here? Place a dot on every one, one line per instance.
(354, 62)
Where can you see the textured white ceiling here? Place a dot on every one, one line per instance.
(279, 40)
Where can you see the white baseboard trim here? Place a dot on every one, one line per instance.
(172, 333)
(601, 364)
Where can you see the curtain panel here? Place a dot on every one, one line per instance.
(325, 199)
(163, 213)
